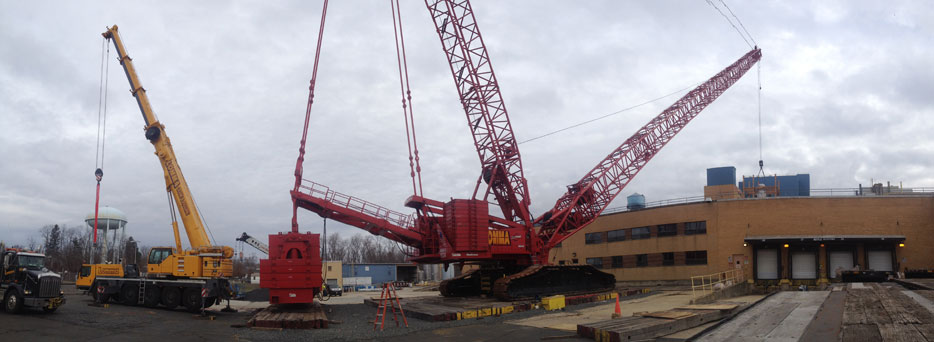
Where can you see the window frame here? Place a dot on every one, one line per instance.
(691, 228)
(642, 260)
(589, 241)
(596, 262)
(672, 232)
(621, 237)
(695, 260)
(667, 261)
(647, 235)
(615, 264)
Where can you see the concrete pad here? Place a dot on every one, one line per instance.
(782, 317)
(926, 303)
(858, 286)
(569, 319)
(792, 327)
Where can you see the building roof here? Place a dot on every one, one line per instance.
(825, 238)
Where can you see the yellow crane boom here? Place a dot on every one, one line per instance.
(155, 132)
(201, 246)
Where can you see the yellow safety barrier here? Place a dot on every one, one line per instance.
(705, 284)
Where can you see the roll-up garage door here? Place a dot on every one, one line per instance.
(803, 265)
(842, 260)
(880, 260)
(767, 264)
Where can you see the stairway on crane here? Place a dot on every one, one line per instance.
(475, 307)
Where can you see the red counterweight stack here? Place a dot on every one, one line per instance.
(293, 271)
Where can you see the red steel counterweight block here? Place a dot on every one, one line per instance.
(293, 271)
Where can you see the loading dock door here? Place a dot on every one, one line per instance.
(880, 260)
(803, 265)
(767, 264)
(842, 260)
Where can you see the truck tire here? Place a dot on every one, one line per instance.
(152, 296)
(191, 298)
(171, 297)
(13, 301)
(129, 294)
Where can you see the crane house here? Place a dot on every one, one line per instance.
(774, 229)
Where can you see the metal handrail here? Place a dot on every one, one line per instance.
(705, 283)
(324, 192)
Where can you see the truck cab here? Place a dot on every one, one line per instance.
(25, 282)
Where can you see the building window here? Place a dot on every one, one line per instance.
(559, 244)
(595, 262)
(692, 228)
(695, 258)
(642, 260)
(616, 235)
(668, 259)
(618, 261)
(641, 233)
(561, 262)
(670, 229)
(329, 268)
(592, 238)
(574, 261)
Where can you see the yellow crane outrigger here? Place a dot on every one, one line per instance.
(209, 264)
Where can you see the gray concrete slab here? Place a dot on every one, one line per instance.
(926, 303)
(782, 317)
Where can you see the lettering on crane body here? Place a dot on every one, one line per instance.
(499, 238)
(172, 170)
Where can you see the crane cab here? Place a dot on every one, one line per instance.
(90, 272)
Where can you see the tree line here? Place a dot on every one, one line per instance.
(67, 248)
(360, 249)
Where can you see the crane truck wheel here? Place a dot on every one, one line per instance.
(129, 294)
(171, 297)
(191, 298)
(151, 297)
(12, 301)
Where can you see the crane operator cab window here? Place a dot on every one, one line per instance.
(157, 255)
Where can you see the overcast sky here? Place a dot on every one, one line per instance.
(846, 97)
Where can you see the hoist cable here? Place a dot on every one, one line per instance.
(407, 106)
(610, 114)
(311, 101)
(739, 22)
(729, 21)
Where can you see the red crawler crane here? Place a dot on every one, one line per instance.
(512, 250)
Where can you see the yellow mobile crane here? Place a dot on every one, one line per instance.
(196, 277)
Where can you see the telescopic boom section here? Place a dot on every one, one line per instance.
(587, 198)
(486, 113)
(155, 132)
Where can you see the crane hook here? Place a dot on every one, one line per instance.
(99, 174)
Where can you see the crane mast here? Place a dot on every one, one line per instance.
(501, 165)
(155, 133)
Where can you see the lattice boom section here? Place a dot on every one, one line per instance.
(482, 102)
(591, 195)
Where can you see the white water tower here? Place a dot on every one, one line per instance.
(109, 219)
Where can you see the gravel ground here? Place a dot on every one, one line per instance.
(356, 325)
(77, 321)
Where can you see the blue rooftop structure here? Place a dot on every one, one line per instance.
(794, 185)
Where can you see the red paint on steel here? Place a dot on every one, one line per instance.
(293, 271)
(587, 198)
(501, 165)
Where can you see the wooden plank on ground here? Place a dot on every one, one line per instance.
(900, 332)
(709, 307)
(670, 314)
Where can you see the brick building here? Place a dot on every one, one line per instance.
(771, 237)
